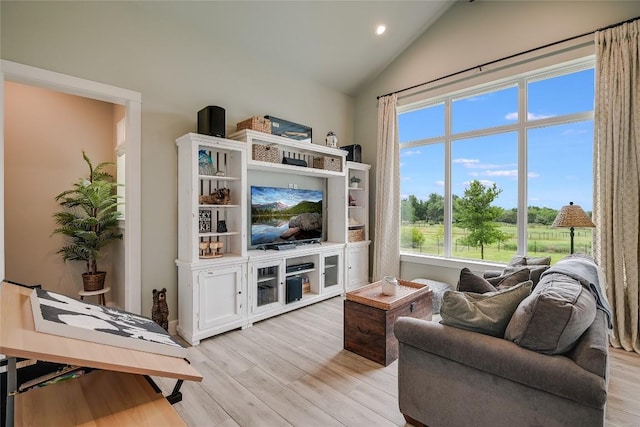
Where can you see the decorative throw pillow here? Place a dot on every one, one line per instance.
(553, 317)
(518, 260)
(470, 282)
(510, 277)
(544, 260)
(487, 313)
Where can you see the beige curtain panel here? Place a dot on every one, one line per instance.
(617, 175)
(386, 251)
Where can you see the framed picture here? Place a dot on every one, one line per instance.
(60, 315)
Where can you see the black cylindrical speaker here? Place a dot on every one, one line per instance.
(211, 121)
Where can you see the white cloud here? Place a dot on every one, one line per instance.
(466, 161)
(488, 165)
(530, 116)
(406, 153)
(534, 116)
(484, 182)
(510, 173)
(440, 183)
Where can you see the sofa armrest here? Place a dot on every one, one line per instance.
(558, 375)
(592, 349)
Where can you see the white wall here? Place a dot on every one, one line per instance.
(128, 45)
(470, 34)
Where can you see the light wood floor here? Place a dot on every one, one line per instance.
(292, 370)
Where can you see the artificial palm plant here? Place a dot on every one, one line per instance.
(89, 220)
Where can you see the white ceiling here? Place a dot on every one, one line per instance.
(330, 42)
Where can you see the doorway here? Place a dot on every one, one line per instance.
(131, 101)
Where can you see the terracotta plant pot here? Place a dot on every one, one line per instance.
(93, 282)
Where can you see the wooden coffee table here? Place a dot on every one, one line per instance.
(369, 317)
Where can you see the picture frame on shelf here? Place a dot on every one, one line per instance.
(204, 221)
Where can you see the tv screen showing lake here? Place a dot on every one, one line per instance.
(285, 214)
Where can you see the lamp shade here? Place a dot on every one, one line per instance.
(572, 216)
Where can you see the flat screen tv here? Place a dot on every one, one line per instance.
(281, 215)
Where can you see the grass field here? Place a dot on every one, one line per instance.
(542, 241)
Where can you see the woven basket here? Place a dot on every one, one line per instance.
(265, 153)
(356, 235)
(93, 282)
(255, 123)
(327, 163)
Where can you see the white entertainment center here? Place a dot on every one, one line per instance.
(224, 281)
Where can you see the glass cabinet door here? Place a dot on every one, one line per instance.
(332, 271)
(268, 285)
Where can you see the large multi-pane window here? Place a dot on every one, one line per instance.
(485, 171)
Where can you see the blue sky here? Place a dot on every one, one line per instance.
(559, 159)
(288, 196)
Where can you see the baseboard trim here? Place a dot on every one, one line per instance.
(173, 324)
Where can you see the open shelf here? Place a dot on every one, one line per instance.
(217, 206)
(218, 178)
(293, 149)
(295, 170)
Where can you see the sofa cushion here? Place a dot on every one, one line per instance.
(470, 282)
(487, 313)
(534, 272)
(510, 278)
(553, 317)
(543, 260)
(518, 260)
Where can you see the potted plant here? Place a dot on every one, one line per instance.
(89, 220)
(355, 181)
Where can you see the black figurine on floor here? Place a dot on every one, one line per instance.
(160, 310)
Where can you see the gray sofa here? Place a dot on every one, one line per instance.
(455, 377)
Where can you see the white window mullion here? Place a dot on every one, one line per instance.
(448, 202)
(522, 168)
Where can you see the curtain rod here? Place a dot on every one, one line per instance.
(508, 57)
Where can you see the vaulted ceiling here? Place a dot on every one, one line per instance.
(331, 42)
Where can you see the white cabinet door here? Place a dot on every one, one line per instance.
(357, 266)
(221, 296)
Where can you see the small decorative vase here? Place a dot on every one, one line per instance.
(389, 285)
(205, 163)
(331, 140)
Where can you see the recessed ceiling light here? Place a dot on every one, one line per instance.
(380, 29)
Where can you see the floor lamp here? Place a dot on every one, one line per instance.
(572, 216)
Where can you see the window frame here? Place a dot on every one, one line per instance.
(521, 127)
